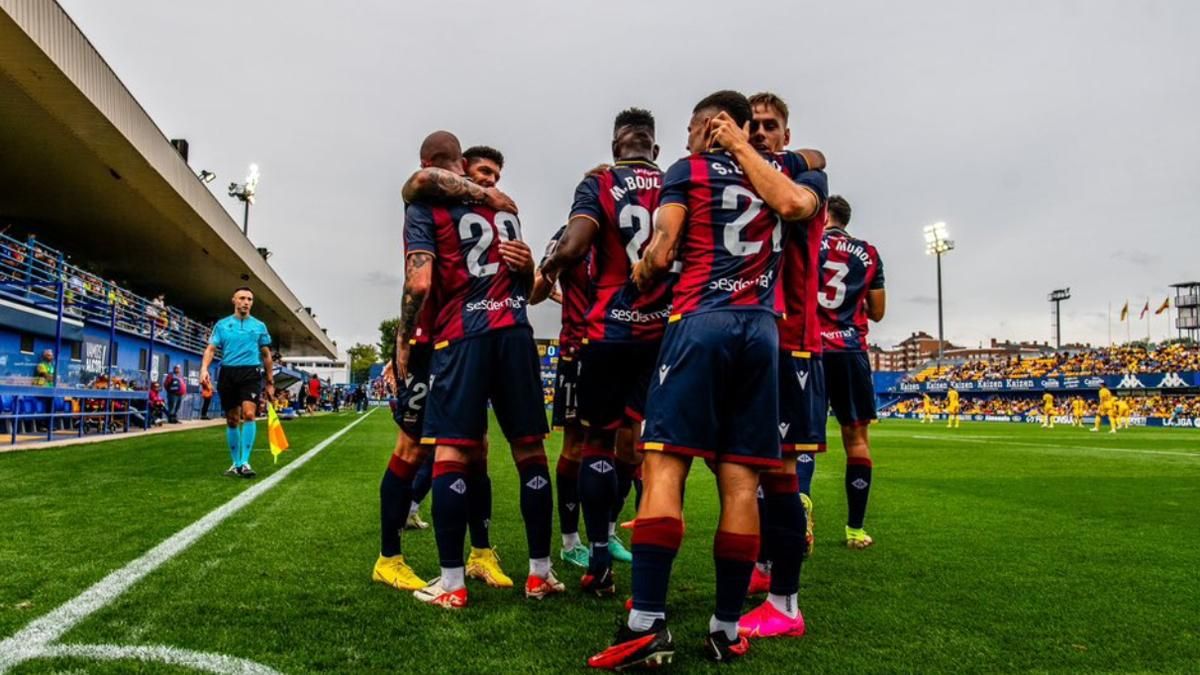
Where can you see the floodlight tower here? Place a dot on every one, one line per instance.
(245, 193)
(937, 243)
(1057, 296)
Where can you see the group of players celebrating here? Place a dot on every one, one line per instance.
(697, 303)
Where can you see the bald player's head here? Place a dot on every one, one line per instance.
(441, 149)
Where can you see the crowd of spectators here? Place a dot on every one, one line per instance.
(1136, 358)
(1153, 405)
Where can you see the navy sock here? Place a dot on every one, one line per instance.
(655, 543)
(450, 495)
(734, 555)
(395, 492)
(423, 480)
(858, 490)
(783, 532)
(537, 504)
(625, 473)
(806, 464)
(479, 506)
(597, 491)
(567, 473)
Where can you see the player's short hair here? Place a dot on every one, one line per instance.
(484, 152)
(839, 209)
(239, 289)
(634, 117)
(771, 100)
(440, 148)
(732, 102)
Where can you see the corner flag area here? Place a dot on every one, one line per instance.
(1000, 548)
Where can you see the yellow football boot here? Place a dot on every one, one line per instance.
(484, 564)
(396, 573)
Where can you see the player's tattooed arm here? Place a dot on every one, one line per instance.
(432, 183)
(418, 277)
(785, 197)
(664, 243)
(572, 246)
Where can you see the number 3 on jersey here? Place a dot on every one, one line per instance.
(475, 226)
(836, 283)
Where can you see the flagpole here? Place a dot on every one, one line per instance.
(1147, 306)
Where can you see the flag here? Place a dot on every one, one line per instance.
(275, 435)
(1164, 306)
(1145, 309)
(1125, 311)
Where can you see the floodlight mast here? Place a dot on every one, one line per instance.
(1057, 296)
(937, 243)
(245, 193)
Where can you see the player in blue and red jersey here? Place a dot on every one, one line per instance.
(851, 292)
(480, 273)
(611, 222)
(573, 294)
(784, 507)
(714, 391)
(399, 488)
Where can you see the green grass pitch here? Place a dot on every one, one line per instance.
(999, 547)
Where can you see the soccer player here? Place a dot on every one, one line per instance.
(714, 391)
(573, 287)
(1106, 408)
(852, 292)
(407, 479)
(1048, 411)
(1077, 411)
(926, 409)
(610, 217)
(246, 365)
(953, 419)
(481, 273)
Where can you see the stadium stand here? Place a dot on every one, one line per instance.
(1119, 360)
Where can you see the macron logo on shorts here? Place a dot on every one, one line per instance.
(803, 380)
(662, 373)
(783, 429)
(459, 486)
(537, 483)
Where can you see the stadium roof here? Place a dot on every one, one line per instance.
(83, 162)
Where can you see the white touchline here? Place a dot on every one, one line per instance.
(33, 640)
(989, 440)
(206, 661)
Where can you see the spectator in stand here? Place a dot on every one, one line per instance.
(154, 401)
(206, 395)
(175, 386)
(43, 373)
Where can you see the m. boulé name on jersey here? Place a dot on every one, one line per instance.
(638, 181)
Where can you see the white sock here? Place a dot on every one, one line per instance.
(570, 541)
(452, 578)
(539, 567)
(786, 604)
(612, 530)
(727, 627)
(763, 567)
(414, 508)
(642, 621)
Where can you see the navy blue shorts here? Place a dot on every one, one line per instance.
(714, 392)
(802, 406)
(408, 409)
(851, 390)
(613, 380)
(502, 367)
(566, 393)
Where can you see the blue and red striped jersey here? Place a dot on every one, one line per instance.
(799, 327)
(423, 334)
(849, 268)
(573, 283)
(622, 201)
(731, 243)
(474, 290)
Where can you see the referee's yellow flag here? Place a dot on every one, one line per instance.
(275, 435)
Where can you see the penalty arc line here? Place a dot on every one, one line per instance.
(37, 637)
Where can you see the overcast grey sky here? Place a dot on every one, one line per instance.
(1059, 140)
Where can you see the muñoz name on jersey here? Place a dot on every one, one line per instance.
(732, 241)
(622, 201)
(849, 268)
(475, 291)
(574, 284)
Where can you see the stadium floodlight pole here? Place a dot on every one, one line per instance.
(937, 243)
(1057, 296)
(245, 192)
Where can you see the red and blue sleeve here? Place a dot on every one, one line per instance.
(877, 281)
(587, 200)
(419, 231)
(675, 183)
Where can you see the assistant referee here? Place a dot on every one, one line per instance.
(246, 364)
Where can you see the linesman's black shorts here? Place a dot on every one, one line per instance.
(238, 384)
